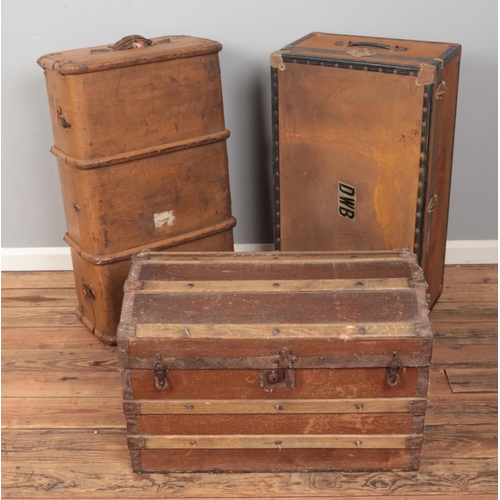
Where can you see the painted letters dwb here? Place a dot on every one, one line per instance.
(347, 201)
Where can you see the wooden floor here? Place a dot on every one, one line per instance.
(64, 433)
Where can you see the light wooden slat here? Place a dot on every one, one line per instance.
(464, 356)
(271, 257)
(61, 384)
(276, 286)
(34, 317)
(237, 406)
(462, 409)
(38, 279)
(471, 274)
(252, 331)
(61, 338)
(39, 297)
(461, 441)
(66, 360)
(473, 380)
(62, 413)
(464, 306)
(283, 441)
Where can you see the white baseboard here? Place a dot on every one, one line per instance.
(59, 259)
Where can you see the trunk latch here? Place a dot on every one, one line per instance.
(282, 377)
(160, 371)
(393, 367)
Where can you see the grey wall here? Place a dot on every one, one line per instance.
(32, 213)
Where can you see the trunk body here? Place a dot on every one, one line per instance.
(275, 361)
(363, 142)
(140, 144)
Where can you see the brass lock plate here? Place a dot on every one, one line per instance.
(280, 378)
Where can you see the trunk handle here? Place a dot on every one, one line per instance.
(132, 42)
(375, 45)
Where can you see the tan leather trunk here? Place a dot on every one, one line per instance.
(363, 142)
(275, 361)
(140, 144)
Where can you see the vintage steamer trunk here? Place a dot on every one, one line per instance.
(363, 143)
(140, 143)
(275, 361)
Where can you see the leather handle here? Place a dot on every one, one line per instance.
(375, 45)
(131, 42)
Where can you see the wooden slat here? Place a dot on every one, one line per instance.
(296, 423)
(284, 441)
(471, 274)
(272, 257)
(439, 478)
(67, 360)
(265, 330)
(465, 356)
(61, 338)
(65, 445)
(462, 409)
(342, 269)
(37, 297)
(235, 406)
(34, 317)
(114, 479)
(461, 441)
(318, 383)
(61, 384)
(62, 413)
(272, 286)
(435, 477)
(438, 382)
(38, 279)
(288, 307)
(466, 333)
(462, 313)
(405, 497)
(465, 292)
(473, 380)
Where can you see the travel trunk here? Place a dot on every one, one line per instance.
(140, 143)
(275, 361)
(363, 142)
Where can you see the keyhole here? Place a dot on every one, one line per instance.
(273, 377)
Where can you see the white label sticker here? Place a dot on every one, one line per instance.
(164, 218)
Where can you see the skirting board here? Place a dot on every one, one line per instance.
(59, 259)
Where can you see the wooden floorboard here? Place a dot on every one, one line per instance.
(64, 431)
(472, 380)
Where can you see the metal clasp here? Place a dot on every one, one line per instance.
(440, 90)
(284, 376)
(393, 367)
(160, 371)
(432, 203)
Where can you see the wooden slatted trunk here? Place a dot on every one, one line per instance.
(140, 143)
(363, 144)
(275, 361)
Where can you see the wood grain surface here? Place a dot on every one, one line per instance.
(66, 438)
